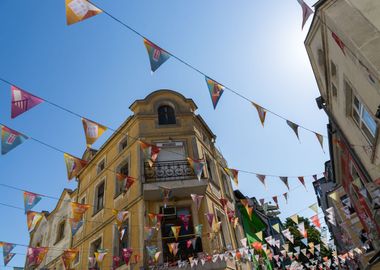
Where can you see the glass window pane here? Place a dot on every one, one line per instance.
(369, 121)
(356, 103)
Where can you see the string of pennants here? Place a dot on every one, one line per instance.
(36, 255)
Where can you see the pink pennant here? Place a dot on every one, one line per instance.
(306, 12)
(275, 200)
(197, 199)
(262, 201)
(316, 221)
(261, 177)
(286, 197)
(302, 180)
(22, 101)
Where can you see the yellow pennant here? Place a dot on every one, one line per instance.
(314, 207)
(176, 230)
(334, 196)
(92, 130)
(276, 227)
(294, 218)
(79, 10)
(260, 235)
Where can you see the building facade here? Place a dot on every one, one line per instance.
(343, 47)
(165, 119)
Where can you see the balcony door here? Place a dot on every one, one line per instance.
(171, 151)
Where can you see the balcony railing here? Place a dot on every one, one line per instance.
(168, 171)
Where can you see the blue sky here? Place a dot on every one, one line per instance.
(97, 68)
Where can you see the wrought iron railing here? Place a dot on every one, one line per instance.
(168, 171)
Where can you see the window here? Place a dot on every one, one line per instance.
(76, 261)
(166, 115)
(223, 232)
(334, 90)
(123, 144)
(347, 207)
(119, 185)
(363, 119)
(121, 239)
(209, 169)
(226, 185)
(176, 218)
(101, 166)
(60, 231)
(97, 244)
(99, 198)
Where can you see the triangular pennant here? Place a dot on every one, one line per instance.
(22, 101)
(197, 199)
(315, 177)
(149, 232)
(259, 235)
(68, 257)
(275, 200)
(320, 140)
(176, 230)
(294, 127)
(78, 209)
(261, 177)
(210, 218)
(197, 166)
(306, 12)
(35, 255)
(334, 196)
(286, 197)
(8, 258)
(314, 207)
(120, 217)
(150, 151)
(73, 165)
(261, 111)
(79, 10)
(10, 139)
(216, 90)
(30, 200)
(316, 221)
(100, 254)
(294, 218)
(249, 210)
(284, 179)
(33, 218)
(127, 254)
(233, 175)
(243, 241)
(185, 219)
(304, 241)
(276, 227)
(157, 56)
(75, 225)
(198, 230)
(92, 131)
(302, 180)
(339, 42)
(7, 248)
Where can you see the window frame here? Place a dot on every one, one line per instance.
(93, 251)
(98, 170)
(359, 110)
(119, 189)
(60, 231)
(96, 209)
(170, 115)
(121, 143)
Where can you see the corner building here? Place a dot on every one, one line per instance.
(166, 119)
(343, 47)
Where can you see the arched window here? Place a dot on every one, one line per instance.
(166, 115)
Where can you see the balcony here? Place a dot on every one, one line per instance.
(176, 175)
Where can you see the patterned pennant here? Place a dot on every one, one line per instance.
(92, 131)
(75, 225)
(78, 210)
(157, 56)
(233, 175)
(294, 127)
(8, 258)
(33, 218)
(173, 248)
(149, 233)
(185, 219)
(302, 180)
(249, 211)
(197, 199)
(127, 254)
(339, 42)
(314, 207)
(320, 140)
(150, 151)
(262, 179)
(115, 262)
(73, 165)
(100, 254)
(284, 179)
(302, 230)
(79, 10)
(10, 139)
(35, 255)
(30, 200)
(306, 11)
(197, 166)
(91, 262)
(120, 217)
(210, 218)
(176, 230)
(216, 90)
(244, 242)
(22, 101)
(7, 248)
(261, 111)
(69, 256)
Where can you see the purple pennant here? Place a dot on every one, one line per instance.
(22, 101)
